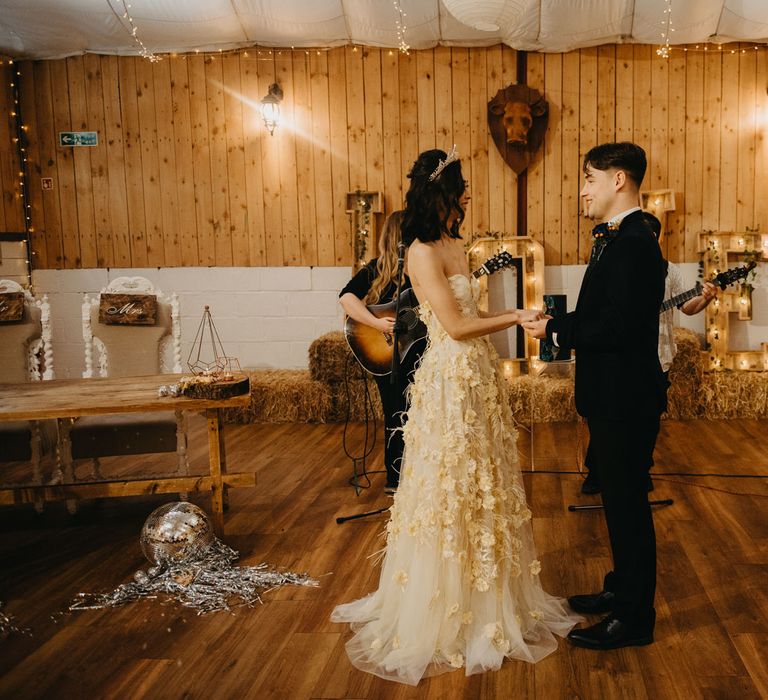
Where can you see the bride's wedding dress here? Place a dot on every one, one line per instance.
(459, 583)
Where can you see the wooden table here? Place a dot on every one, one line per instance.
(71, 398)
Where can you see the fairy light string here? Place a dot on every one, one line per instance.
(402, 44)
(666, 23)
(133, 30)
(21, 142)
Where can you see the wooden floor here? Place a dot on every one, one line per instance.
(712, 603)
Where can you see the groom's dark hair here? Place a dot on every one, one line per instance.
(625, 156)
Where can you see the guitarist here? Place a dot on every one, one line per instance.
(673, 286)
(376, 284)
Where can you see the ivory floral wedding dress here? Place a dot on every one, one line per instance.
(459, 584)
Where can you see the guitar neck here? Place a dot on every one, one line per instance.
(680, 299)
(482, 270)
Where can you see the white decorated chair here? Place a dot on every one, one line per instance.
(128, 351)
(26, 355)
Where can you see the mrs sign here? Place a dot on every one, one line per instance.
(128, 309)
(517, 118)
(11, 307)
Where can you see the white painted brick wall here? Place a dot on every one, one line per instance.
(13, 261)
(268, 317)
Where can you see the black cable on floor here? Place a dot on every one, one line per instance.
(653, 475)
(354, 480)
(662, 478)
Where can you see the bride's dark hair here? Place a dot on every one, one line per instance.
(430, 203)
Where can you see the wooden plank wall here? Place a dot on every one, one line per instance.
(11, 207)
(186, 175)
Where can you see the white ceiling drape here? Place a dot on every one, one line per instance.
(57, 28)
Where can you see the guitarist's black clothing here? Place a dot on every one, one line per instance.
(620, 390)
(362, 282)
(393, 396)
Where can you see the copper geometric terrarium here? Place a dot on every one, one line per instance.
(215, 374)
(215, 365)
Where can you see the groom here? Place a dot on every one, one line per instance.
(620, 387)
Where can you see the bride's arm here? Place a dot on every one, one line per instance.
(524, 315)
(427, 274)
(490, 314)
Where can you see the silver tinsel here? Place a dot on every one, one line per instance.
(9, 627)
(192, 567)
(169, 390)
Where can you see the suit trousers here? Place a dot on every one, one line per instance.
(621, 452)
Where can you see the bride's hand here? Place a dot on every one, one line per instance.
(530, 315)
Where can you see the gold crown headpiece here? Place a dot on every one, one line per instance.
(453, 155)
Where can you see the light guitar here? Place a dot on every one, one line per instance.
(373, 348)
(722, 280)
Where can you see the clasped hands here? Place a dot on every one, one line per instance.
(535, 323)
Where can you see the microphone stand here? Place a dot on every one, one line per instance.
(394, 374)
(599, 506)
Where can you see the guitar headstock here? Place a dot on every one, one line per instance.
(497, 262)
(723, 279)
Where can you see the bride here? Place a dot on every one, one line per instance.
(459, 584)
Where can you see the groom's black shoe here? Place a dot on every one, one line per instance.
(594, 604)
(610, 633)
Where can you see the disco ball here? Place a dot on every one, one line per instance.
(174, 532)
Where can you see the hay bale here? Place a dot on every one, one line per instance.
(356, 400)
(685, 375)
(541, 399)
(330, 358)
(688, 357)
(734, 394)
(285, 396)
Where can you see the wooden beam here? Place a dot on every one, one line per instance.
(132, 487)
(522, 178)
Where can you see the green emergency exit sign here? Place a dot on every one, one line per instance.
(78, 138)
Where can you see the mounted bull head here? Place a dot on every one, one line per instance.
(517, 118)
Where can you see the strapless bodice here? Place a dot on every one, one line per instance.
(467, 292)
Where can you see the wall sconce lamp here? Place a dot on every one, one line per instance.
(270, 107)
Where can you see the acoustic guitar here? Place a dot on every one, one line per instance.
(373, 348)
(722, 280)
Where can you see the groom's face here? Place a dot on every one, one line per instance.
(599, 191)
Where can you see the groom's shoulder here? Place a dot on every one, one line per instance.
(635, 233)
(635, 224)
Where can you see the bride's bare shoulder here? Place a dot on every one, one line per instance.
(423, 253)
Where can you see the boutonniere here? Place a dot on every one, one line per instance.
(606, 230)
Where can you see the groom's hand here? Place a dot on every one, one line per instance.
(537, 329)
(529, 315)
